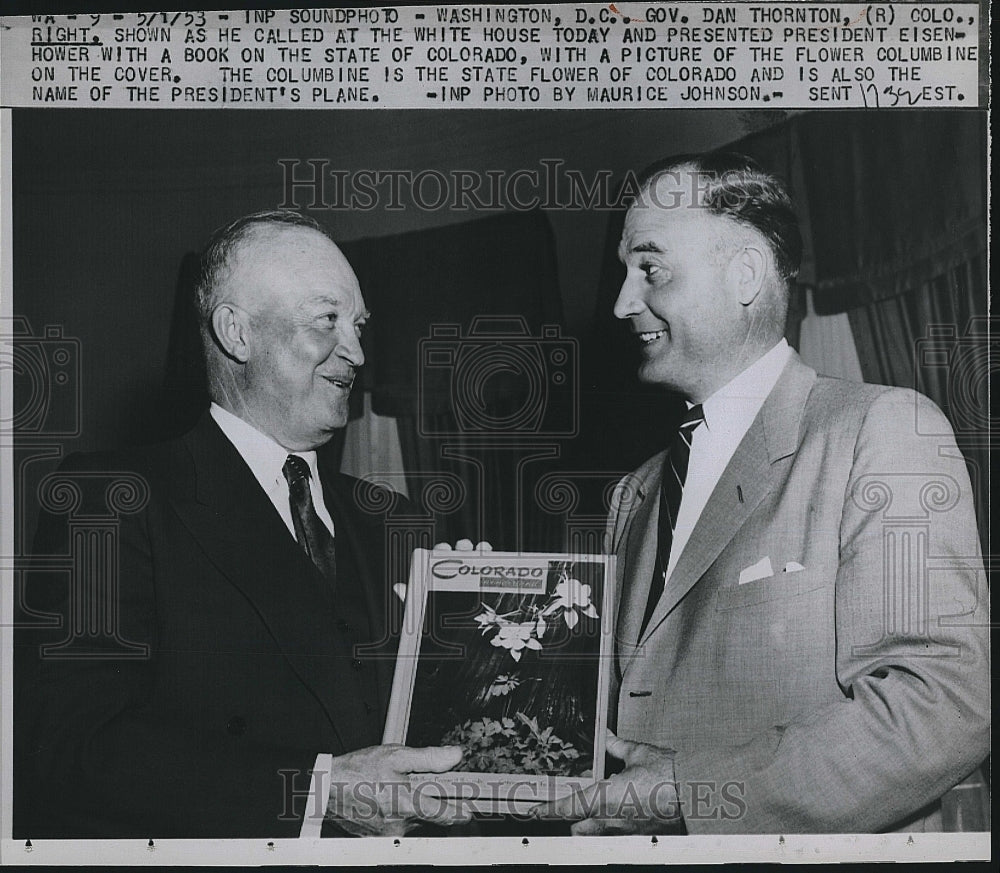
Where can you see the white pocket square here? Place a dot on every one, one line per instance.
(793, 567)
(760, 570)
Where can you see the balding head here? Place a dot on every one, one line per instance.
(281, 313)
(222, 255)
(734, 187)
(709, 245)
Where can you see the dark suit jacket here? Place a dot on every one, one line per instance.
(196, 671)
(845, 687)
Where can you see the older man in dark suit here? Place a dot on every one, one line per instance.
(236, 679)
(802, 632)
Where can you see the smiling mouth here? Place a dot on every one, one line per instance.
(345, 384)
(650, 336)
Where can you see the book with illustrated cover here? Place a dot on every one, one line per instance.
(507, 655)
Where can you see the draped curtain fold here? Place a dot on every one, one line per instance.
(933, 338)
(826, 343)
(892, 200)
(896, 207)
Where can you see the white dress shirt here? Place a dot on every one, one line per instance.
(265, 458)
(729, 412)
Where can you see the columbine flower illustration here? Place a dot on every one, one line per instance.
(502, 685)
(516, 637)
(572, 595)
(525, 628)
(487, 618)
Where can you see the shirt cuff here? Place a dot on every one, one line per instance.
(319, 793)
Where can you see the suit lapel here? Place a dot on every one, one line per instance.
(362, 563)
(241, 533)
(639, 559)
(722, 516)
(772, 436)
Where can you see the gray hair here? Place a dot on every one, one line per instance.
(736, 187)
(218, 256)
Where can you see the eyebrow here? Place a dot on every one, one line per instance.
(639, 249)
(326, 300)
(322, 300)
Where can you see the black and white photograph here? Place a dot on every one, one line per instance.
(690, 405)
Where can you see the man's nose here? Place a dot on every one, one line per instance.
(629, 300)
(349, 348)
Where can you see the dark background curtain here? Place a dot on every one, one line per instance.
(896, 208)
(469, 356)
(934, 339)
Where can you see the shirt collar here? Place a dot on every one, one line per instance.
(262, 454)
(735, 405)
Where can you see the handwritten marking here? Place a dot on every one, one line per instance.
(861, 15)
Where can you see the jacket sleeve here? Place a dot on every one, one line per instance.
(90, 759)
(912, 643)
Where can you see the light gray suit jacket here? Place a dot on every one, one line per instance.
(847, 696)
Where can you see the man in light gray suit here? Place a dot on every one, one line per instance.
(802, 630)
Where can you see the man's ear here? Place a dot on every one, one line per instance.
(231, 326)
(749, 268)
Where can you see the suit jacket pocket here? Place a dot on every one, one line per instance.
(778, 586)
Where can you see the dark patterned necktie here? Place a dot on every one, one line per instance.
(675, 467)
(314, 536)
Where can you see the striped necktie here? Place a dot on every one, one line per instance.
(675, 467)
(314, 536)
